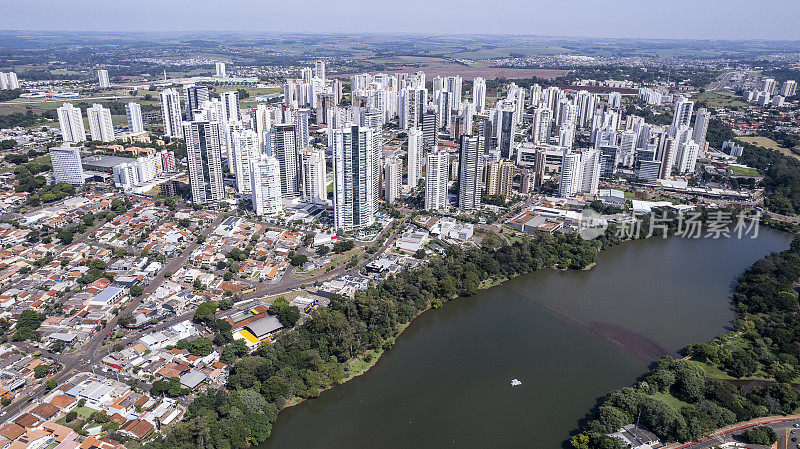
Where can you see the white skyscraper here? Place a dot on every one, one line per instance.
(266, 185)
(470, 173)
(263, 124)
(102, 76)
(452, 84)
(100, 125)
(171, 112)
(221, 72)
(436, 175)
(315, 189)
(590, 171)
(570, 182)
(71, 121)
(134, 113)
(540, 132)
(319, 69)
(415, 156)
(204, 156)
(687, 156)
(354, 174)
(67, 165)
(230, 106)
(683, 115)
(245, 149)
(479, 94)
(8, 80)
(392, 179)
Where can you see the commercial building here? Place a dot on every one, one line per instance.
(67, 165)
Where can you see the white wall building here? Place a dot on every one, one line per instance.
(315, 189)
(266, 185)
(67, 165)
(134, 114)
(436, 176)
(172, 112)
(354, 178)
(102, 76)
(100, 125)
(71, 121)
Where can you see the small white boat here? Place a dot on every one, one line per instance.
(515, 382)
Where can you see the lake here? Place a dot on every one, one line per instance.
(568, 336)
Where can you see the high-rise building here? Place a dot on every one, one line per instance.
(687, 156)
(263, 124)
(413, 102)
(470, 167)
(71, 121)
(221, 71)
(683, 115)
(580, 173)
(452, 84)
(768, 85)
(498, 178)
(171, 112)
(392, 179)
(570, 181)
(505, 134)
(436, 175)
(541, 125)
(319, 69)
(415, 157)
(194, 96)
(245, 149)
(315, 189)
(8, 80)
(789, 88)
(430, 130)
(265, 185)
(354, 174)
(102, 76)
(283, 143)
(134, 113)
(100, 125)
(230, 106)
(204, 156)
(701, 127)
(67, 165)
(479, 94)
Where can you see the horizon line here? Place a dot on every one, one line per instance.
(398, 33)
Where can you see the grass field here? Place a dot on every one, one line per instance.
(743, 171)
(673, 402)
(766, 142)
(720, 99)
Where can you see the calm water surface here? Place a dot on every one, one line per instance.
(446, 382)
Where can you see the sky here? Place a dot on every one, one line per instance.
(662, 19)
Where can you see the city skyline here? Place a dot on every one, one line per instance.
(625, 19)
